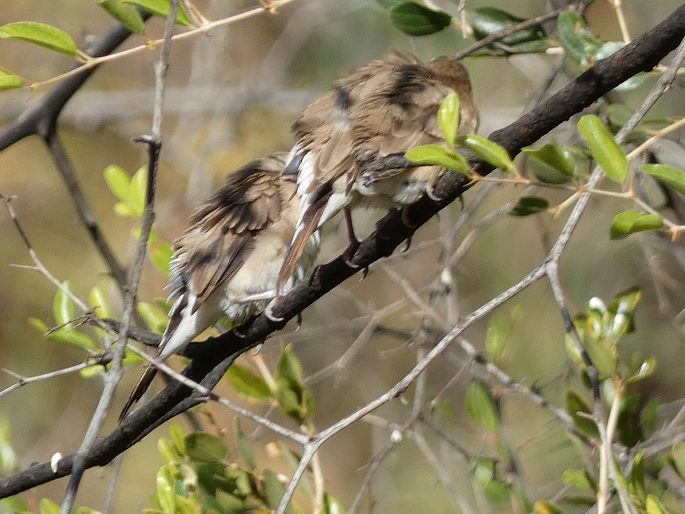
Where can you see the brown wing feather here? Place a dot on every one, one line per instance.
(222, 236)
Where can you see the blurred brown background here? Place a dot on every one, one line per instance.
(231, 96)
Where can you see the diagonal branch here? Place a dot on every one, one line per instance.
(213, 357)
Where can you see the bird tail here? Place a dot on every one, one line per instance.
(307, 225)
(143, 383)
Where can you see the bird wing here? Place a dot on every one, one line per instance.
(223, 231)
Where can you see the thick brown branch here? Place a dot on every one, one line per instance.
(214, 356)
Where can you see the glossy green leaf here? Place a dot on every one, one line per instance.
(603, 147)
(668, 175)
(603, 355)
(579, 478)
(551, 163)
(576, 407)
(229, 503)
(166, 489)
(481, 407)
(490, 152)
(127, 15)
(528, 205)
(10, 80)
(153, 317)
(204, 447)
(491, 20)
(545, 507)
(40, 34)
(244, 446)
(439, 156)
(416, 20)
(48, 507)
(576, 40)
(630, 222)
(247, 384)
(161, 8)
(645, 370)
(448, 117)
(63, 306)
(99, 301)
(678, 455)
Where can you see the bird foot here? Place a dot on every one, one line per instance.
(269, 313)
(349, 253)
(405, 219)
(407, 245)
(430, 192)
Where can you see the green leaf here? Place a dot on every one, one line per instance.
(289, 367)
(154, 318)
(389, 4)
(575, 406)
(440, 156)
(40, 34)
(485, 475)
(247, 384)
(481, 407)
(495, 339)
(603, 355)
(620, 313)
(14, 504)
(118, 182)
(167, 451)
(578, 42)
(528, 205)
(545, 507)
(48, 507)
(611, 47)
(204, 447)
(668, 175)
(654, 505)
(579, 478)
(161, 8)
(416, 20)
(552, 163)
(166, 489)
(178, 438)
(629, 222)
(490, 152)
(138, 188)
(490, 20)
(604, 148)
(448, 117)
(244, 446)
(63, 305)
(127, 15)
(273, 489)
(645, 370)
(161, 254)
(99, 301)
(10, 80)
(678, 455)
(331, 505)
(637, 477)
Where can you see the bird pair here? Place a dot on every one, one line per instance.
(257, 236)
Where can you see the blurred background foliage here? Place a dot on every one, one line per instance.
(231, 97)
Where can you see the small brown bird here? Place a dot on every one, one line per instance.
(385, 107)
(227, 263)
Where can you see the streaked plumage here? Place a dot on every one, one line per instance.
(227, 263)
(385, 107)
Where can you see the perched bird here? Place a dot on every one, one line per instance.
(227, 263)
(385, 107)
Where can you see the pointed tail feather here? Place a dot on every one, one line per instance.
(308, 224)
(143, 383)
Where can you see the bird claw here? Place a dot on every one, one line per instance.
(405, 219)
(407, 245)
(268, 312)
(349, 253)
(430, 192)
(365, 273)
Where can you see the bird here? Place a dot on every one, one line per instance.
(385, 107)
(227, 262)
